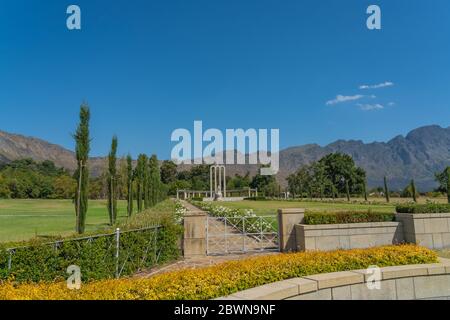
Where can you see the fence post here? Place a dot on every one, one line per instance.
(287, 219)
(10, 259)
(117, 251)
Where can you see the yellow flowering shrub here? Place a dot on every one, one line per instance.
(225, 278)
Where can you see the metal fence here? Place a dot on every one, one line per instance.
(225, 235)
(129, 250)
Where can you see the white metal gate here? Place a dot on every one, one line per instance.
(227, 235)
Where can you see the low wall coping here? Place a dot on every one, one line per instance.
(291, 210)
(350, 225)
(423, 215)
(297, 286)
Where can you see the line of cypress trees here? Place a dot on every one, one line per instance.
(82, 149)
(386, 190)
(112, 182)
(129, 185)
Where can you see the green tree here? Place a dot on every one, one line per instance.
(364, 189)
(139, 175)
(82, 149)
(112, 182)
(386, 190)
(155, 185)
(413, 190)
(443, 178)
(168, 172)
(129, 186)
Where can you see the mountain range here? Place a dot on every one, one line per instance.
(419, 155)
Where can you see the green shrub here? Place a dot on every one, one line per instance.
(423, 208)
(197, 198)
(39, 260)
(347, 217)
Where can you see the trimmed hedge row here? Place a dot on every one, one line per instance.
(226, 278)
(423, 208)
(37, 261)
(348, 217)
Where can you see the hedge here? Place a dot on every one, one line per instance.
(423, 208)
(347, 217)
(226, 278)
(38, 261)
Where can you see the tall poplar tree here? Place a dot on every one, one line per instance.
(82, 149)
(413, 190)
(112, 182)
(386, 190)
(448, 184)
(154, 181)
(140, 181)
(129, 186)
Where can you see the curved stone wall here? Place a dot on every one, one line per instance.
(410, 282)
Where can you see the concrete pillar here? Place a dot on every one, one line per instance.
(194, 240)
(287, 219)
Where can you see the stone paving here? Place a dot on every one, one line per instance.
(199, 262)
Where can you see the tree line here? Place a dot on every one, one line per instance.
(143, 183)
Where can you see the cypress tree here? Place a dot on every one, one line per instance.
(154, 181)
(82, 149)
(448, 184)
(139, 174)
(364, 187)
(129, 186)
(413, 190)
(347, 189)
(112, 182)
(386, 190)
(146, 182)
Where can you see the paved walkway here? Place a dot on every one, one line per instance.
(216, 230)
(200, 262)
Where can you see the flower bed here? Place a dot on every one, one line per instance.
(226, 278)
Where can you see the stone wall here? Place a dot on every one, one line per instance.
(411, 282)
(347, 236)
(431, 230)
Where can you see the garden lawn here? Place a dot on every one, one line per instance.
(270, 207)
(25, 219)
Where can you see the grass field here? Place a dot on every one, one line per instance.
(271, 207)
(24, 219)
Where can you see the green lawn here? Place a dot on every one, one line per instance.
(271, 207)
(24, 219)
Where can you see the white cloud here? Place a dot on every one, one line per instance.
(340, 98)
(370, 107)
(391, 104)
(376, 86)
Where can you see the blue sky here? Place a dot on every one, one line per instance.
(149, 67)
